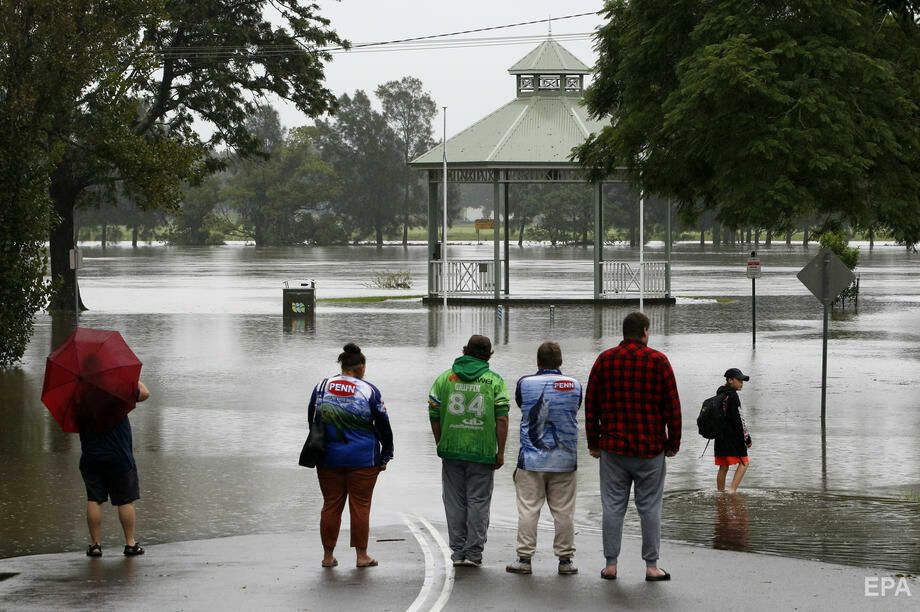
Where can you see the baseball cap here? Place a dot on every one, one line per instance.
(736, 373)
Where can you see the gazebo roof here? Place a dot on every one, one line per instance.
(536, 129)
(549, 56)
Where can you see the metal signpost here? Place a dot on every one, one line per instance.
(753, 272)
(825, 276)
(76, 262)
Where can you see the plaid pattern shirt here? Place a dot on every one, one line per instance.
(631, 406)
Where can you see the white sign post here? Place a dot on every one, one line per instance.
(753, 272)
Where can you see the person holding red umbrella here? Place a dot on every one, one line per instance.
(92, 382)
(108, 468)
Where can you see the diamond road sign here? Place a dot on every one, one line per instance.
(826, 276)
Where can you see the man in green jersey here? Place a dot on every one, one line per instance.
(468, 410)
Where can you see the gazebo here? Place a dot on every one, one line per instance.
(529, 140)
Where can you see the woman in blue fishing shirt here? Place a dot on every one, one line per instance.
(358, 445)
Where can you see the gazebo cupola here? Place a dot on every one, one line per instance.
(550, 70)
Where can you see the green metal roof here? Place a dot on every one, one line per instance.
(528, 130)
(549, 57)
(535, 130)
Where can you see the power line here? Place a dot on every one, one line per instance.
(404, 44)
(282, 50)
(486, 29)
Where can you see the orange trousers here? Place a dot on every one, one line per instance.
(357, 486)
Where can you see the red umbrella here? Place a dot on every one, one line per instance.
(91, 380)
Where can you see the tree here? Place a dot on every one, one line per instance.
(409, 110)
(766, 112)
(200, 219)
(366, 156)
(27, 101)
(274, 191)
(157, 67)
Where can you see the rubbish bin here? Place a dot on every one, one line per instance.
(299, 298)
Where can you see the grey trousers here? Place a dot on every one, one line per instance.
(618, 474)
(466, 488)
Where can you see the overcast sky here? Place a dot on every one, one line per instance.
(471, 81)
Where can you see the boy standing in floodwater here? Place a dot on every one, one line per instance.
(734, 440)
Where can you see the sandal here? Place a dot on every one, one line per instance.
(658, 578)
(371, 563)
(607, 576)
(334, 563)
(94, 550)
(133, 551)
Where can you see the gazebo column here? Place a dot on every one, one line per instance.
(432, 232)
(507, 232)
(598, 240)
(667, 252)
(497, 197)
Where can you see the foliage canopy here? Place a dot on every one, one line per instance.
(767, 112)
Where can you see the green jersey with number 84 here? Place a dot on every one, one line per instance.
(467, 399)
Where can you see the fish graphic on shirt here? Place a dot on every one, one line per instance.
(539, 425)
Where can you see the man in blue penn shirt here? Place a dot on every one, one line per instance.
(548, 458)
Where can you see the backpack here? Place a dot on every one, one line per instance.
(712, 420)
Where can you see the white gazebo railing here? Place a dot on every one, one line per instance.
(622, 277)
(463, 277)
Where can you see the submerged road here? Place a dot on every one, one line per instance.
(282, 572)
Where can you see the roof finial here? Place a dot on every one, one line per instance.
(550, 35)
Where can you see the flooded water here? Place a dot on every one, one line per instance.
(217, 443)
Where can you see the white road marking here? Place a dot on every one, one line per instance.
(448, 566)
(429, 566)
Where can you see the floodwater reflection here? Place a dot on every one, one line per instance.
(731, 526)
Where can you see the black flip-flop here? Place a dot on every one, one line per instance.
(133, 551)
(661, 578)
(95, 550)
(607, 576)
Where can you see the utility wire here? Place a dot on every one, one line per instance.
(282, 50)
(414, 43)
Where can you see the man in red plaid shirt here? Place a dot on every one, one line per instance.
(632, 420)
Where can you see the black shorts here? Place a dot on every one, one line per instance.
(122, 487)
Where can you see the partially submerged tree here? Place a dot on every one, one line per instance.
(409, 110)
(275, 192)
(767, 112)
(364, 152)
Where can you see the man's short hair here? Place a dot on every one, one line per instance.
(634, 325)
(478, 346)
(549, 356)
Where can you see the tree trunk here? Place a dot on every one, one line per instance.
(716, 234)
(768, 241)
(702, 237)
(521, 235)
(871, 239)
(789, 236)
(134, 236)
(805, 236)
(378, 227)
(757, 238)
(61, 241)
(748, 238)
(105, 228)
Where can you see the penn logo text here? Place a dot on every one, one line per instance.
(342, 388)
(564, 385)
